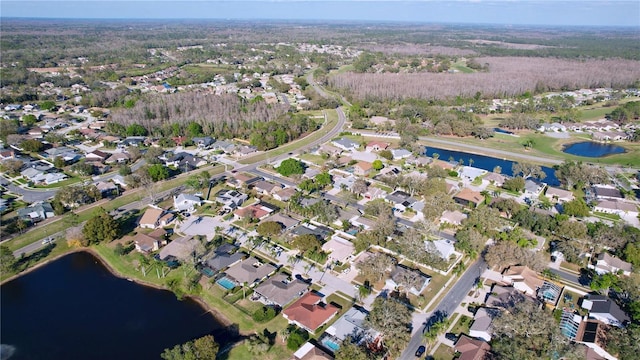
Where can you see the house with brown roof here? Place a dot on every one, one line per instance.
(468, 197)
(471, 349)
(495, 178)
(452, 217)
(618, 207)
(523, 279)
(118, 158)
(284, 194)
(308, 351)
(182, 248)
(146, 243)
(376, 146)
(309, 312)
(265, 188)
(97, 155)
(155, 217)
(256, 211)
(559, 194)
(362, 168)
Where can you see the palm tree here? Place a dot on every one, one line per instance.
(435, 156)
(244, 287)
(487, 196)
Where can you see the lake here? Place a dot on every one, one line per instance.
(74, 308)
(592, 149)
(488, 163)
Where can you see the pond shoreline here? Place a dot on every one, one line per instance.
(221, 318)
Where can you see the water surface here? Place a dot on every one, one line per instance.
(592, 149)
(74, 308)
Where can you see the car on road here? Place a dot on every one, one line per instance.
(420, 351)
(47, 241)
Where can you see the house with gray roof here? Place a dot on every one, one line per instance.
(231, 199)
(186, 202)
(280, 290)
(286, 221)
(345, 144)
(223, 257)
(606, 310)
(203, 142)
(36, 212)
(410, 280)
(400, 154)
(352, 325)
(250, 271)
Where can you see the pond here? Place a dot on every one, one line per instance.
(592, 149)
(487, 162)
(74, 308)
(502, 131)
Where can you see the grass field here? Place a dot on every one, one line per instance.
(443, 352)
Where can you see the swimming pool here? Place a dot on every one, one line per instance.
(226, 283)
(330, 344)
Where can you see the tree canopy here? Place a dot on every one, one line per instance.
(203, 348)
(290, 167)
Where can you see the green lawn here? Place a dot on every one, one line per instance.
(332, 120)
(443, 352)
(462, 325)
(63, 183)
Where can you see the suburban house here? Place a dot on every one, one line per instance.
(559, 195)
(286, 221)
(106, 188)
(224, 146)
(182, 248)
(362, 168)
(36, 212)
(400, 200)
(503, 296)
(375, 193)
(443, 164)
(606, 192)
(352, 325)
(250, 271)
(265, 188)
(555, 127)
(471, 173)
(420, 161)
(186, 202)
(185, 161)
(620, 208)
(523, 279)
(118, 158)
(376, 146)
(495, 179)
(284, 194)
(310, 172)
(468, 197)
(339, 249)
(230, 199)
(452, 217)
(280, 290)
(329, 150)
(345, 144)
(256, 211)
(146, 243)
(132, 141)
(363, 222)
(97, 155)
(309, 312)
(604, 309)
(471, 349)
(443, 247)
(481, 327)
(224, 256)
(308, 351)
(400, 154)
(243, 179)
(606, 263)
(533, 187)
(321, 232)
(410, 280)
(203, 142)
(155, 217)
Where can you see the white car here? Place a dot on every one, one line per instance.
(47, 241)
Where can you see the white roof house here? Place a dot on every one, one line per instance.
(186, 202)
(339, 249)
(444, 248)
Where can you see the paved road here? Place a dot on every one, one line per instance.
(447, 305)
(567, 276)
(482, 150)
(32, 195)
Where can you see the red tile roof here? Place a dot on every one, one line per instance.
(309, 313)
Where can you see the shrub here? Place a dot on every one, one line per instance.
(264, 314)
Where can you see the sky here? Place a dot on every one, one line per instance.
(508, 12)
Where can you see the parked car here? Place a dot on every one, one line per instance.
(420, 351)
